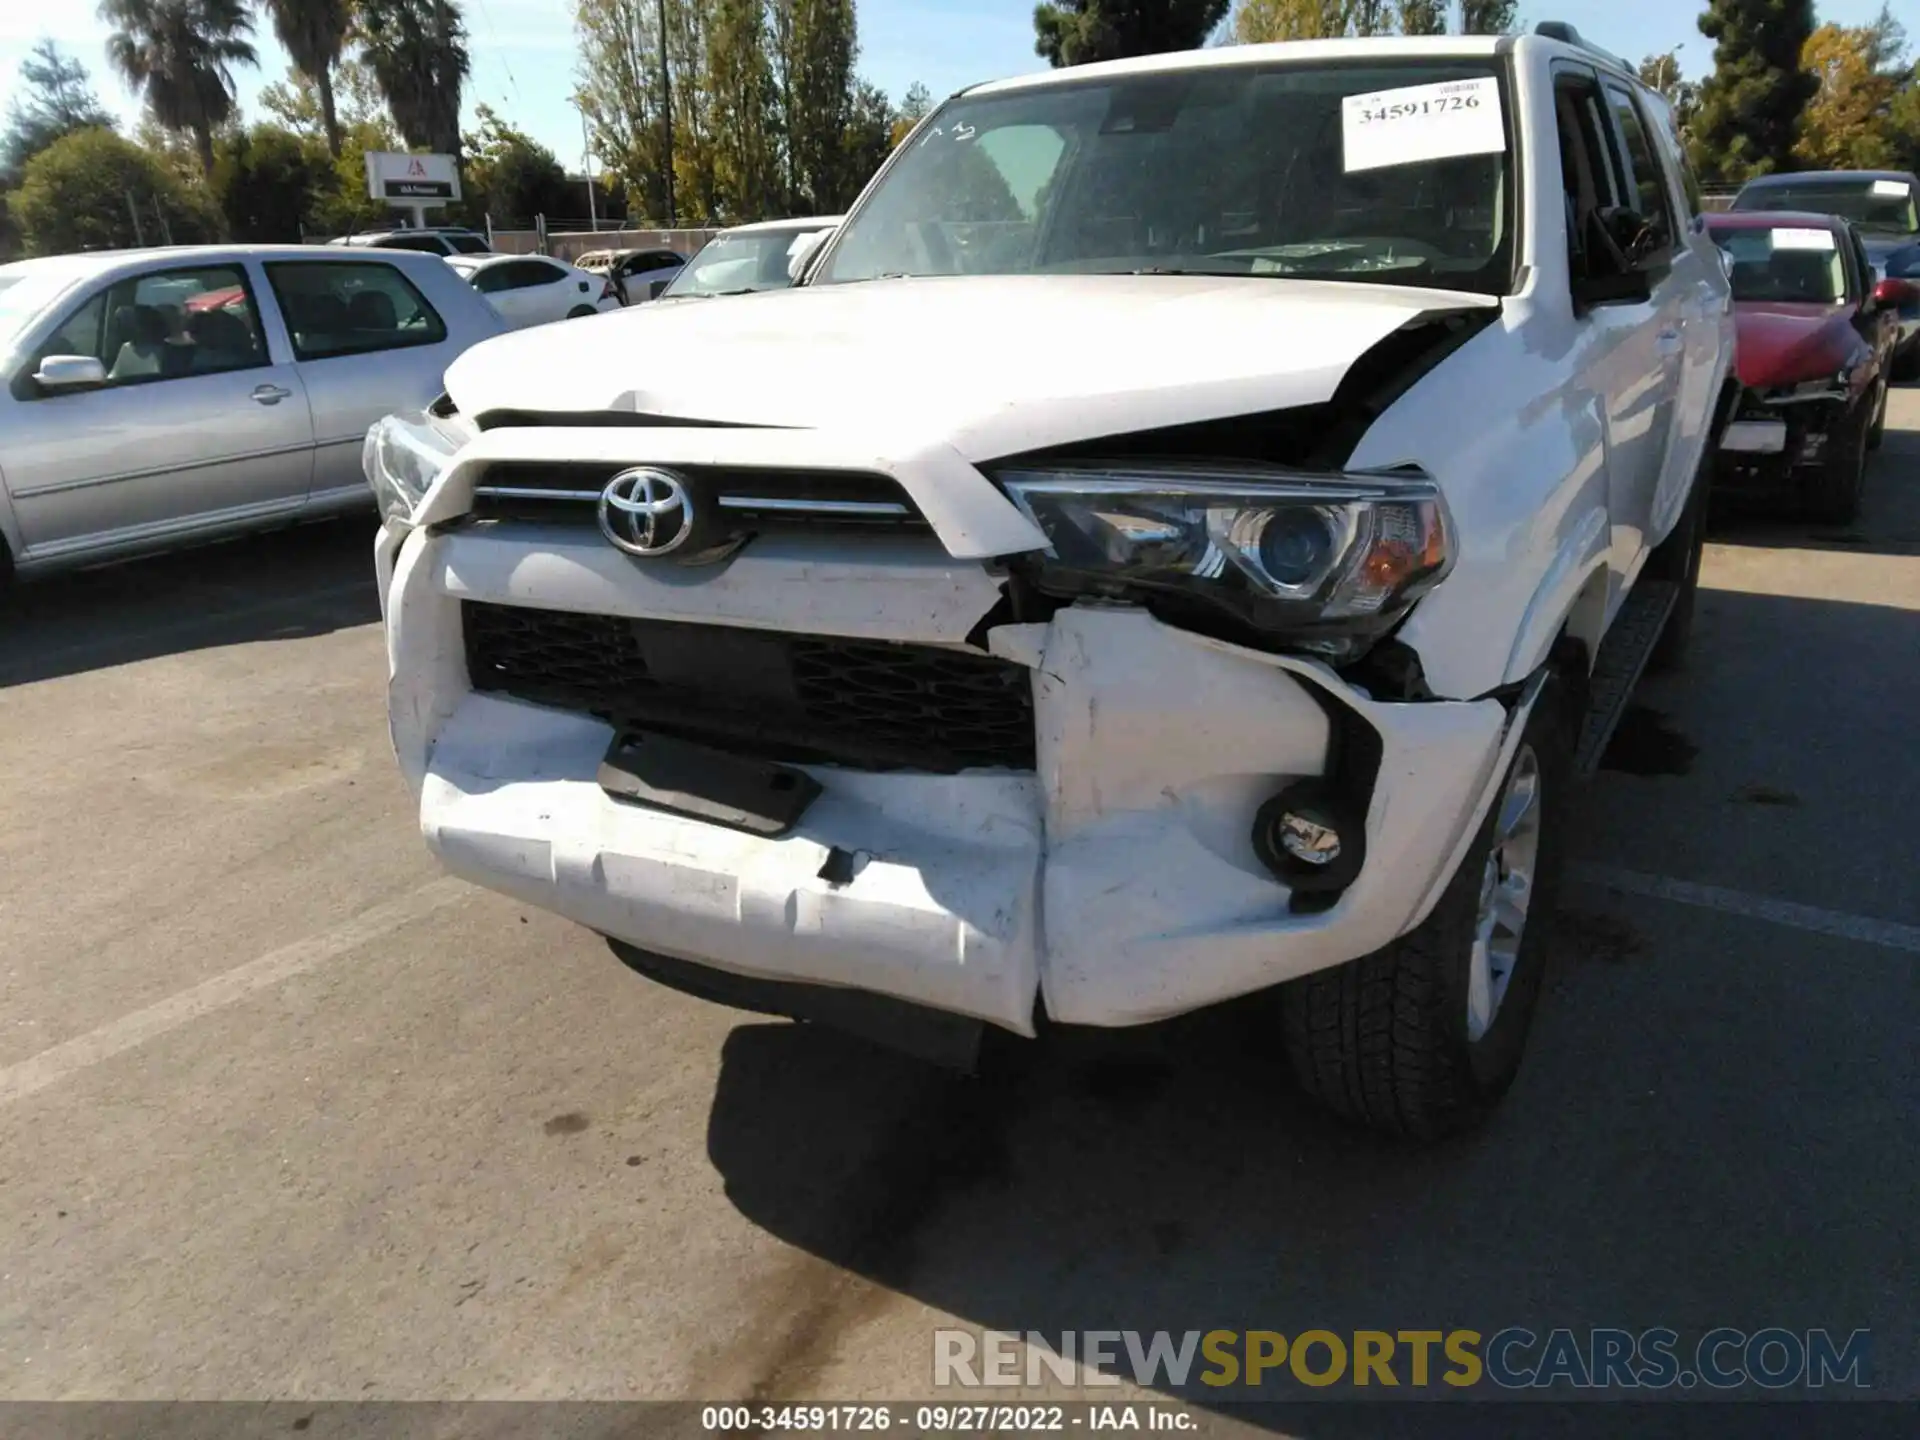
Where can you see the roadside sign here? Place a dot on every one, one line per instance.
(411, 178)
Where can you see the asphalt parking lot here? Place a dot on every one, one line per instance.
(285, 1114)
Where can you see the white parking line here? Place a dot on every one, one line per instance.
(51, 1066)
(1888, 933)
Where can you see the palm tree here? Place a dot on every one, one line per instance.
(417, 50)
(181, 53)
(314, 32)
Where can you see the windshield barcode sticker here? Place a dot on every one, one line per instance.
(1803, 240)
(1423, 122)
(1892, 189)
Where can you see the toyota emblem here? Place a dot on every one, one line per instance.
(645, 511)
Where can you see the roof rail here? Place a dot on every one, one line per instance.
(1567, 35)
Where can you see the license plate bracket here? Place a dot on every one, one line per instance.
(663, 772)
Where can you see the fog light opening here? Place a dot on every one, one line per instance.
(1312, 839)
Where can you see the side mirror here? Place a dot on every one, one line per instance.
(70, 372)
(1617, 239)
(803, 251)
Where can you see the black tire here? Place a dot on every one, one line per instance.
(1877, 431)
(1833, 497)
(580, 312)
(1678, 559)
(1383, 1041)
(1906, 361)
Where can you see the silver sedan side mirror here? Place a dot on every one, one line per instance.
(70, 372)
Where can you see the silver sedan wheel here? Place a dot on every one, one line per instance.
(1506, 890)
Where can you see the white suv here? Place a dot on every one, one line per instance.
(1183, 541)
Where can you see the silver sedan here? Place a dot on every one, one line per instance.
(160, 397)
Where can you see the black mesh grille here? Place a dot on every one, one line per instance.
(873, 705)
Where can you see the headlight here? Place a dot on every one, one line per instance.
(403, 456)
(1330, 562)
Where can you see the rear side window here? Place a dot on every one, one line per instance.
(1646, 183)
(525, 274)
(351, 309)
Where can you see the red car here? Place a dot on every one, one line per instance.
(1815, 339)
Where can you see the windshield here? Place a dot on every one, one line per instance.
(467, 244)
(1387, 172)
(732, 264)
(1886, 205)
(24, 293)
(1786, 264)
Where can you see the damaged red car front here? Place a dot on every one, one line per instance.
(1813, 349)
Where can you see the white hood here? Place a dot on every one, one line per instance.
(990, 365)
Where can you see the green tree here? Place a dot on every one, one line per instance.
(820, 101)
(180, 54)
(869, 140)
(265, 181)
(1850, 123)
(1075, 32)
(512, 176)
(694, 142)
(1750, 106)
(1258, 22)
(914, 108)
(295, 103)
(82, 193)
(417, 51)
(1661, 74)
(314, 32)
(56, 100)
(745, 110)
(1487, 17)
(1422, 17)
(625, 93)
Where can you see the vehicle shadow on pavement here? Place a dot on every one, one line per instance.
(1889, 522)
(300, 581)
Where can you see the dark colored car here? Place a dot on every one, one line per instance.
(1884, 205)
(1813, 346)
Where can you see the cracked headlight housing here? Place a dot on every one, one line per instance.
(403, 456)
(1328, 564)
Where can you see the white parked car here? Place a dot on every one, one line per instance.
(767, 255)
(1182, 541)
(533, 290)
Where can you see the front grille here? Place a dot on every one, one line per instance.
(802, 699)
(756, 500)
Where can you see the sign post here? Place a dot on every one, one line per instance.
(414, 183)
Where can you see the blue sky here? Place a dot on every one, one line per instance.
(523, 53)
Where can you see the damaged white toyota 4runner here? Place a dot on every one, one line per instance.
(1174, 544)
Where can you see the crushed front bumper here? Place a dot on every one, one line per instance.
(1116, 880)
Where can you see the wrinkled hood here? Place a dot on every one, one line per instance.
(1782, 344)
(990, 365)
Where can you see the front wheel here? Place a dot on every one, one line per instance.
(1423, 1037)
(1833, 494)
(1906, 361)
(1877, 431)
